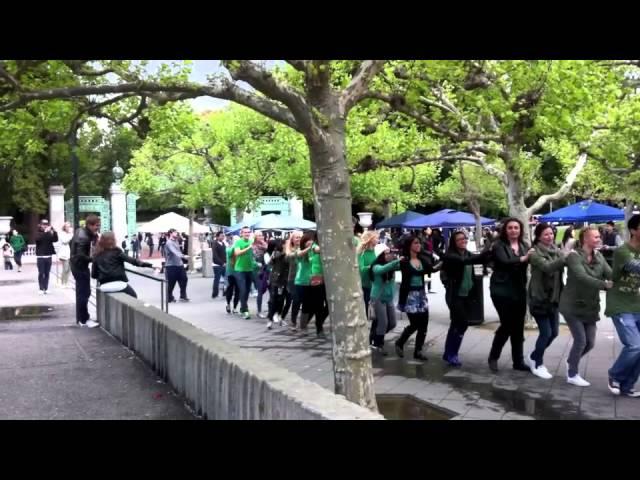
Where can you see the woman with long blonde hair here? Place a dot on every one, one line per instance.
(292, 297)
(366, 257)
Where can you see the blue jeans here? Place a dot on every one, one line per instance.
(217, 273)
(626, 369)
(548, 328)
(244, 281)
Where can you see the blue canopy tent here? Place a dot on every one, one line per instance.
(273, 221)
(234, 229)
(399, 221)
(585, 211)
(282, 222)
(448, 218)
(430, 219)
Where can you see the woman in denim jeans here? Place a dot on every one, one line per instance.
(547, 265)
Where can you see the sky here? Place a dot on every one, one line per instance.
(200, 70)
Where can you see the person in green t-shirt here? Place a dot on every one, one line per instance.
(366, 257)
(382, 277)
(623, 306)
(310, 277)
(232, 290)
(243, 264)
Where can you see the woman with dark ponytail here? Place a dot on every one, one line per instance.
(457, 277)
(413, 299)
(547, 266)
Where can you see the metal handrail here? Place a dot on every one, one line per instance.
(164, 304)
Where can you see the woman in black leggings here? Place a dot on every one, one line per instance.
(508, 289)
(413, 299)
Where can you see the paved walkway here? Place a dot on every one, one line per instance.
(471, 392)
(51, 369)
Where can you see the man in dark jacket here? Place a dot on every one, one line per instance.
(45, 238)
(81, 249)
(219, 262)
(611, 240)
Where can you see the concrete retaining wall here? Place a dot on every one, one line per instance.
(219, 380)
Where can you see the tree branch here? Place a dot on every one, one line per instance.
(564, 188)
(7, 76)
(263, 81)
(80, 67)
(222, 89)
(359, 84)
(300, 65)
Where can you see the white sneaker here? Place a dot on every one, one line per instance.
(46, 292)
(19, 270)
(40, 292)
(269, 325)
(578, 381)
(528, 361)
(276, 318)
(541, 372)
(92, 324)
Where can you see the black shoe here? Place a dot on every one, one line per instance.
(420, 356)
(493, 365)
(184, 299)
(171, 300)
(321, 334)
(228, 307)
(399, 350)
(521, 367)
(214, 296)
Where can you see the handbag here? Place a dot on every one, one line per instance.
(316, 280)
(371, 314)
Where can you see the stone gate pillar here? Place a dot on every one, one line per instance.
(118, 212)
(56, 207)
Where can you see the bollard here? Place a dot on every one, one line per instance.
(207, 262)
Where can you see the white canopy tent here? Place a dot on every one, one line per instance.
(164, 222)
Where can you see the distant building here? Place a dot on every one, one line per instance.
(267, 205)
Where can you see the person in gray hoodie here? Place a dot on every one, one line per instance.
(547, 265)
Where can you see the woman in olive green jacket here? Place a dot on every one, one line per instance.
(588, 273)
(547, 265)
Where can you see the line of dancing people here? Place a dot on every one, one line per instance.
(296, 286)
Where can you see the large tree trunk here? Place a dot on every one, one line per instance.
(518, 209)
(332, 203)
(474, 206)
(628, 213)
(386, 208)
(190, 248)
(515, 199)
(239, 215)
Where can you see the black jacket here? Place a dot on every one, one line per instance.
(108, 266)
(453, 265)
(408, 271)
(279, 269)
(81, 248)
(219, 254)
(44, 243)
(509, 277)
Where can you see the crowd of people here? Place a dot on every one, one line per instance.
(593, 262)
(290, 269)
